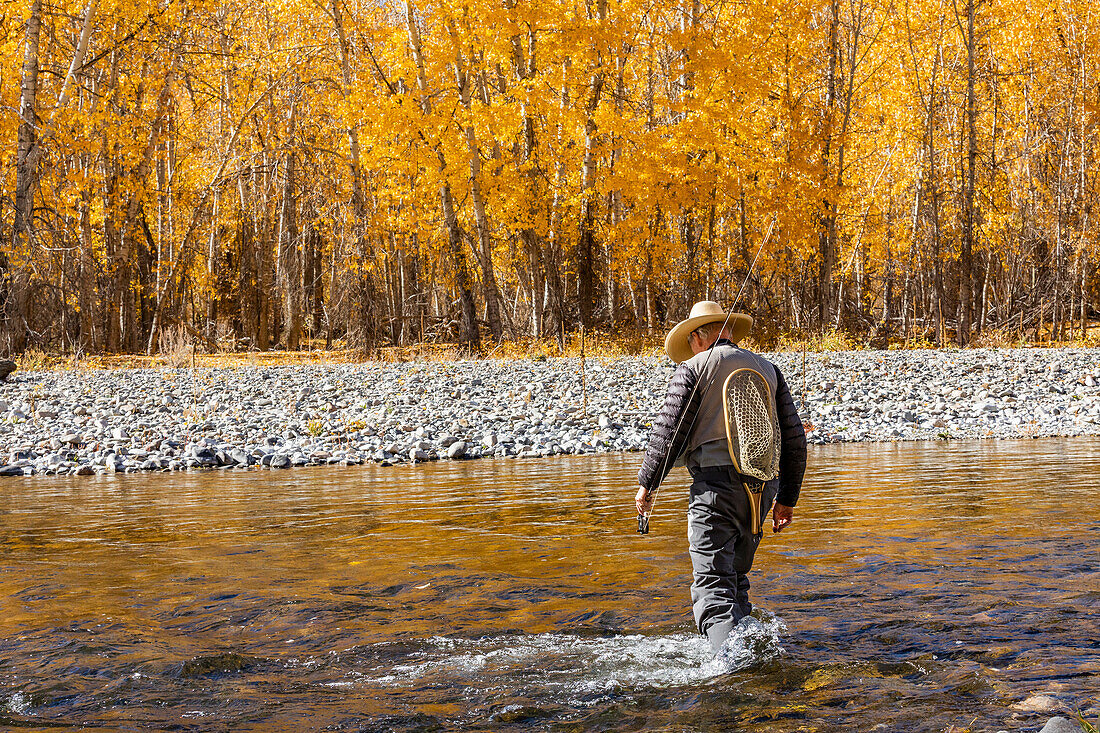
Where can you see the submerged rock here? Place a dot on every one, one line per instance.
(1039, 704)
(216, 664)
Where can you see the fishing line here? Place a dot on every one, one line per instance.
(643, 519)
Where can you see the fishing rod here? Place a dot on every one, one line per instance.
(643, 518)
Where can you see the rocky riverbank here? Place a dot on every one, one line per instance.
(86, 422)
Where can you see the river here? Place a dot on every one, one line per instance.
(922, 585)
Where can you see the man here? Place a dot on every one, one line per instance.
(691, 428)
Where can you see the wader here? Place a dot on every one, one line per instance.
(722, 546)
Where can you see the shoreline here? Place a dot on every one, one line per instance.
(129, 420)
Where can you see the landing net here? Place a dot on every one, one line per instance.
(751, 424)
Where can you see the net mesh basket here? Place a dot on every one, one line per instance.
(752, 424)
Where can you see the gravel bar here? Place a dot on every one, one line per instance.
(115, 421)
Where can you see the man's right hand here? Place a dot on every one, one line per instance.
(644, 500)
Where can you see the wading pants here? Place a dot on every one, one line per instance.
(722, 547)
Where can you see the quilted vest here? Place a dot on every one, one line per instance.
(725, 359)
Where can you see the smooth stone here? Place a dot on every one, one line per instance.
(456, 449)
(280, 460)
(1059, 724)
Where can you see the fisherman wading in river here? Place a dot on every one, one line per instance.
(729, 418)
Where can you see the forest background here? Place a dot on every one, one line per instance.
(284, 173)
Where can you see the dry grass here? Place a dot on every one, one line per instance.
(35, 360)
(830, 341)
(1012, 339)
(178, 351)
(594, 344)
(176, 348)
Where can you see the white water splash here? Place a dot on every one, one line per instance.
(580, 664)
(753, 641)
(18, 703)
(588, 665)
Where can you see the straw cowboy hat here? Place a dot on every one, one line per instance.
(702, 313)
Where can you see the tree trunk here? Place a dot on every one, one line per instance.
(26, 174)
(966, 264)
(484, 251)
(289, 263)
(826, 237)
(468, 308)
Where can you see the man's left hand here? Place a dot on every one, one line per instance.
(644, 500)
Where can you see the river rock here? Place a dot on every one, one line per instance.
(1039, 704)
(504, 408)
(1060, 725)
(456, 449)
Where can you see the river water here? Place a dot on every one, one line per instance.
(922, 585)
